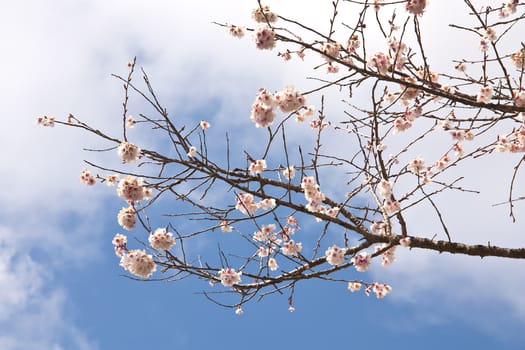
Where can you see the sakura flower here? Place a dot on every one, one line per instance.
(161, 239)
(225, 227)
(119, 242)
(335, 255)
(265, 234)
(126, 218)
(332, 212)
(289, 99)
(416, 165)
(385, 188)
(380, 61)
(441, 163)
(378, 227)
(388, 256)
(416, 7)
(139, 263)
(405, 242)
(229, 277)
(331, 50)
(112, 179)
(401, 124)
(287, 55)
(391, 206)
(444, 124)
(263, 112)
(267, 203)
(484, 44)
(490, 34)
(128, 152)
(131, 189)
(332, 68)
(428, 75)
(87, 178)
(354, 286)
(289, 172)
(204, 125)
(257, 167)
(458, 149)
(408, 93)
(236, 31)
(272, 264)
(239, 311)
(264, 38)
(291, 248)
(130, 121)
(312, 194)
(318, 124)
(469, 135)
(368, 289)
(263, 14)
(263, 251)
(245, 203)
(352, 44)
(511, 5)
(361, 261)
(381, 289)
(192, 152)
(457, 135)
(46, 121)
(291, 220)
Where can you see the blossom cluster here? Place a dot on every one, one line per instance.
(161, 239)
(257, 167)
(387, 256)
(264, 38)
(289, 172)
(485, 94)
(390, 205)
(132, 189)
(399, 50)
(416, 7)
(362, 261)
(138, 262)
(381, 62)
(119, 243)
(515, 142)
(405, 121)
(271, 241)
(236, 31)
(508, 8)
(86, 178)
(315, 198)
(229, 277)
(262, 14)
(128, 152)
(126, 218)
(335, 255)
(246, 204)
(265, 104)
(46, 121)
(292, 248)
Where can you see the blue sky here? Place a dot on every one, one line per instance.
(60, 283)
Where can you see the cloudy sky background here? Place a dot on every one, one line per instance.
(60, 284)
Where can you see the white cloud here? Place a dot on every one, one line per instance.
(32, 307)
